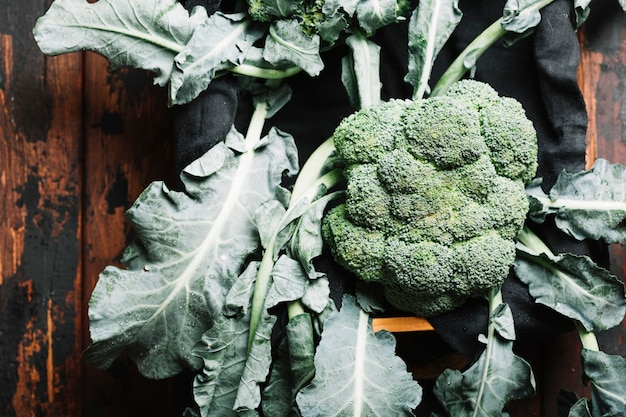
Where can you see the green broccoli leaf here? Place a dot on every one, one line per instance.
(360, 72)
(144, 34)
(587, 205)
(496, 378)
(220, 42)
(430, 26)
(520, 16)
(357, 372)
(287, 43)
(278, 396)
(306, 243)
(573, 285)
(288, 283)
(189, 253)
(229, 383)
(223, 353)
(580, 409)
(607, 374)
(375, 14)
(292, 368)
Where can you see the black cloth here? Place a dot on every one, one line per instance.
(540, 71)
(199, 125)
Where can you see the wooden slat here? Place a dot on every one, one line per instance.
(605, 57)
(127, 145)
(401, 324)
(40, 281)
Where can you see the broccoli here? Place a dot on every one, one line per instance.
(308, 12)
(435, 195)
(314, 14)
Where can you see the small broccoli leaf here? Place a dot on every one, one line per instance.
(217, 43)
(580, 409)
(223, 352)
(257, 366)
(430, 26)
(582, 10)
(317, 294)
(266, 218)
(289, 283)
(191, 247)
(574, 286)
(357, 372)
(375, 14)
(334, 22)
(607, 374)
(496, 378)
(306, 243)
(287, 43)
(301, 344)
(361, 72)
(238, 297)
(520, 16)
(278, 397)
(587, 205)
(293, 367)
(144, 34)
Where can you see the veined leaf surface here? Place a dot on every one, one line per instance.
(144, 34)
(191, 247)
(587, 205)
(575, 286)
(430, 26)
(357, 372)
(607, 374)
(496, 378)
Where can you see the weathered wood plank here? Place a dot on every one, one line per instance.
(605, 46)
(602, 74)
(127, 145)
(40, 281)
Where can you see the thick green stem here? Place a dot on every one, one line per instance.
(264, 275)
(495, 299)
(587, 338)
(318, 163)
(533, 242)
(254, 71)
(468, 57)
(295, 308)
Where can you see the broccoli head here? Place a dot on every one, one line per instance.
(308, 12)
(435, 195)
(319, 16)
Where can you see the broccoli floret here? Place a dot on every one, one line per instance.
(368, 135)
(434, 127)
(363, 249)
(367, 202)
(308, 12)
(508, 134)
(435, 198)
(506, 130)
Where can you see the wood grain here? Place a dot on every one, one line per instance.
(40, 278)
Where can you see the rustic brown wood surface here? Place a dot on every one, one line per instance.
(77, 146)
